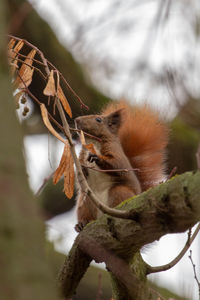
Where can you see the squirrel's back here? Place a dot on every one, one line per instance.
(144, 139)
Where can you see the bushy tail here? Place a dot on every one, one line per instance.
(144, 139)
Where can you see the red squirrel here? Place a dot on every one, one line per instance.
(132, 139)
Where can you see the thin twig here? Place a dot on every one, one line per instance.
(113, 170)
(171, 174)
(43, 184)
(68, 86)
(23, 62)
(33, 59)
(26, 90)
(45, 64)
(87, 134)
(168, 266)
(30, 45)
(194, 270)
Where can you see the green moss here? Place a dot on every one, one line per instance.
(138, 266)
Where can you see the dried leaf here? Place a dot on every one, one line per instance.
(82, 138)
(26, 78)
(11, 44)
(66, 167)
(13, 66)
(62, 97)
(62, 165)
(12, 53)
(25, 74)
(48, 124)
(64, 101)
(90, 147)
(50, 89)
(19, 46)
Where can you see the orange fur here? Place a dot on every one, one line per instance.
(144, 138)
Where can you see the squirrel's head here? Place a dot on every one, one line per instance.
(102, 126)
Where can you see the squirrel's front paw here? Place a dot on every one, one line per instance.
(79, 227)
(92, 158)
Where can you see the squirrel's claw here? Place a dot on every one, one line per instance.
(92, 158)
(79, 226)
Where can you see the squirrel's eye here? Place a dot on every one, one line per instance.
(99, 120)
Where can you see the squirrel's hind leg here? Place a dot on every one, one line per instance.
(119, 193)
(86, 211)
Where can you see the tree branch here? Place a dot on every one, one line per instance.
(73, 270)
(114, 264)
(171, 207)
(168, 266)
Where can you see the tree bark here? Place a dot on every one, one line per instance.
(25, 273)
(171, 207)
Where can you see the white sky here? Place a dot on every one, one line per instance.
(105, 41)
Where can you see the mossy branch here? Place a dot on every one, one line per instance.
(171, 207)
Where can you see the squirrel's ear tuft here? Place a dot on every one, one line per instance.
(114, 120)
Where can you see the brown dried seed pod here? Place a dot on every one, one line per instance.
(26, 109)
(23, 100)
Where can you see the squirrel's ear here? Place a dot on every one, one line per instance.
(114, 120)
